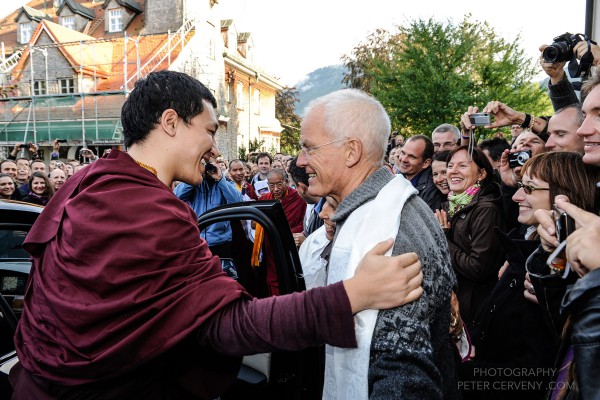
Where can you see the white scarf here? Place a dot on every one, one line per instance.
(346, 370)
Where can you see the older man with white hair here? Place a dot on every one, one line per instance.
(403, 352)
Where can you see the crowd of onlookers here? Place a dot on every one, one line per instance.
(523, 318)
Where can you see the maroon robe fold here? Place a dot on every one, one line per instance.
(107, 293)
(294, 208)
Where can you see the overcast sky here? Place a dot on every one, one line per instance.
(293, 38)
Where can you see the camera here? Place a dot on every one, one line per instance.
(519, 158)
(562, 47)
(22, 146)
(480, 119)
(61, 140)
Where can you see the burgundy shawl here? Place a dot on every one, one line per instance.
(119, 276)
(294, 208)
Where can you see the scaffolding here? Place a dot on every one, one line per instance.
(75, 90)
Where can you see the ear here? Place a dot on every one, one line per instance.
(353, 150)
(426, 164)
(168, 121)
(482, 174)
(301, 187)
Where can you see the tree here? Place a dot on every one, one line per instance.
(429, 72)
(285, 105)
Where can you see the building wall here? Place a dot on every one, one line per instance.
(80, 21)
(128, 15)
(163, 15)
(58, 67)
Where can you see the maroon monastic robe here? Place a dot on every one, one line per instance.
(123, 291)
(294, 208)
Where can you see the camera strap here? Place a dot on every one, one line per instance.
(581, 68)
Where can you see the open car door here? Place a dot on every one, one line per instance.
(278, 375)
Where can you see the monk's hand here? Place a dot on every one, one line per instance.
(382, 282)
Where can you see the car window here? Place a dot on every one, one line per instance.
(11, 244)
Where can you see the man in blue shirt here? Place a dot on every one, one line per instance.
(214, 191)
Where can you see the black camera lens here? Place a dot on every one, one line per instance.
(557, 52)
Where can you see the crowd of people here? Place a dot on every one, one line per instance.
(500, 311)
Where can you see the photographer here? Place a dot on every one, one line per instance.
(32, 148)
(214, 191)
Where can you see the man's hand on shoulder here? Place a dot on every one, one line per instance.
(382, 282)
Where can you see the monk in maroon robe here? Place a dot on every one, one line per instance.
(294, 208)
(126, 301)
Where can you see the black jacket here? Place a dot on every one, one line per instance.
(427, 189)
(474, 251)
(512, 336)
(582, 304)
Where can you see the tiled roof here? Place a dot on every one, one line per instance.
(8, 25)
(96, 59)
(77, 9)
(125, 3)
(226, 23)
(243, 37)
(33, 14)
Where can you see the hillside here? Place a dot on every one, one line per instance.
(318, 83)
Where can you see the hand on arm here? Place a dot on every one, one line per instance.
(382, 282)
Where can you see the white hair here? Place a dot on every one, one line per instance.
(352, 113)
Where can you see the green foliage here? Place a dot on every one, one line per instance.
(242, 153)
(285, 105)
(255, 145)
(429, 72)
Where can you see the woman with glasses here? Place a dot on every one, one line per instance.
(515, 332)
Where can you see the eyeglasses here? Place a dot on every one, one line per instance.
(278, 185)
(307, 151)
(528, 189)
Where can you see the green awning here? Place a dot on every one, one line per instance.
(105, 130)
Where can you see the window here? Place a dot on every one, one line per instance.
(39, 88)
(115, 20)
(256, 101)
(68, 22)
(227, 92)
(25, 32)
(239, 96)
(66, 85)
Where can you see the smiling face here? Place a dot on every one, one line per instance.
(326, 213)
(196, 142)
(277, 186)
(439, 174)
(590, 129)
(10, 168)
(325, 165)
(562, 128)
(57, 178)
(528, 203)
(264, 165)
(411, 158)
(38, 185)
(237, 172)
(7, 187)
(444, 141)
(463, 173)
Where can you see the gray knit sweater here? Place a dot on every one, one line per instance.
(411, 354)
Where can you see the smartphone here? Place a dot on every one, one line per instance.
(565, 225)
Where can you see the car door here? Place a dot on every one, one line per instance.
(278, 375)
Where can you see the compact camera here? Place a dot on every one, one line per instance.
(562, 47)
(480, 119)
(519, 158)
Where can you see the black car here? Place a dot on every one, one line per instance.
(278, 375)
(16, 219)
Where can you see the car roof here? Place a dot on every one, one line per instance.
(18, 212)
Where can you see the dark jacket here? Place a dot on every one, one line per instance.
(582, 304)
(562, 94)
(474, 251)
(512, 336)
(427, 189)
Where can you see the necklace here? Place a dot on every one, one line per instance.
(146, 166)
